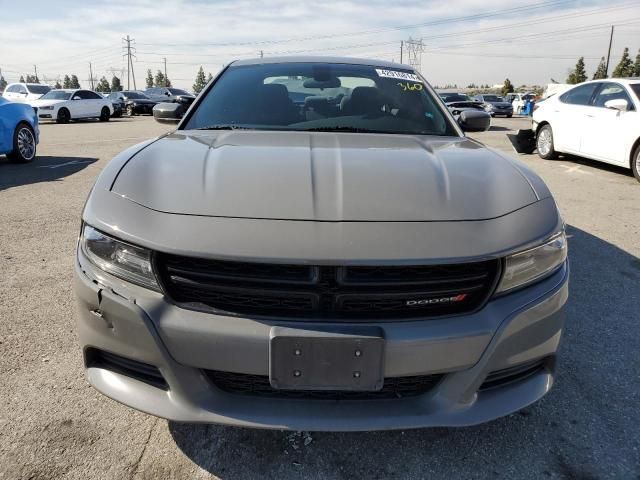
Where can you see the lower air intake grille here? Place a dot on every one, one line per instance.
(330, 293)
(502, 377)
(259, 386)
(131, 368)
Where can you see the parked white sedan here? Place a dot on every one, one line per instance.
(25, 92)
(65, 105)
(599, 119)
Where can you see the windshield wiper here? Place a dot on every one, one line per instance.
(341, 129)
(224, 127)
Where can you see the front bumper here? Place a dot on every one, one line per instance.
(140, 325)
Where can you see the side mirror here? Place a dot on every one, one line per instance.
(76, 98)
(474, 121)
(619, 104)
(168, 112)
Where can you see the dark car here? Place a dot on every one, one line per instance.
(460, 102)
(134, 103)
(170, 94)
(495, 105)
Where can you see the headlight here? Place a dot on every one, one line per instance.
(527, 267)
(120, 259)
(488, 106)
(50, 107)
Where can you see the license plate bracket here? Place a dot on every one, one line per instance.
(341, 359)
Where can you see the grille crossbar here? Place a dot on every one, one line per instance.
(326, 292)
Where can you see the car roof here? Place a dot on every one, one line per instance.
(625, 80)
(323, 59)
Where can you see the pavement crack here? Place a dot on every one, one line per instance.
(136, 464)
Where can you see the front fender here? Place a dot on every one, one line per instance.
(11, 114)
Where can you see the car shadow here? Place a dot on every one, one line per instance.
(42, 169)
(497, 128)
(580, 430)
(596, 164)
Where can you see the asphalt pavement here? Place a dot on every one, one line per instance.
(54, 426)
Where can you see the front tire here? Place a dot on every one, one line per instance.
(24, 144)
(63, 116)
(635, 163)
(544, 143)
(509, 115)
(130, 111)
(105, 114)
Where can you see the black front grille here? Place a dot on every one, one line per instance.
(513, 374)
(259, 386)
(326, 292)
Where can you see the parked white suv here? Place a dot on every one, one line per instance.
(65, 105)
(599, 119)
(25, 92)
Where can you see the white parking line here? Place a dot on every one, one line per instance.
(575, 168)
(58, 165)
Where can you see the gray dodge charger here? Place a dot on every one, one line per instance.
(318, 246)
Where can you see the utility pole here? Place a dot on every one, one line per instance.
(91, 76)
(35, 69)
(414, 53)
(165, 70)
(609, 52)
(401, 49)
(130, 56)
(261, 54)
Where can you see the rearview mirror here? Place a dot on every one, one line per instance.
(617, 104)
(168, 112)
(474, 121)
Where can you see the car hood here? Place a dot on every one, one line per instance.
(500, 104)
(323, 177)
(142, 101)
(44, 103)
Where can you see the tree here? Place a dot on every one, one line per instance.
(149, 79)
(32, 79)
(209, 77)
(579, 74)
(66, 82)
(601, 71)
(636, 66)
(160, 80)
(116, 86)
(624, 67)
(74, 81)
(3, 83)
(507, 87)
(201, 81)
(103, 85)
(57, 85)
(21, 79)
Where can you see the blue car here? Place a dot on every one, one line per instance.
(19, 131)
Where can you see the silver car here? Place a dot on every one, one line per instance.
(318, 246)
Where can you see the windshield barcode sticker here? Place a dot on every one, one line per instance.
(398, 75)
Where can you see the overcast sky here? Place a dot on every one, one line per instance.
(480, 41)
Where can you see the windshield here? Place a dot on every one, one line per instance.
(454, 97)
(636, 89)
(56, 95)
(177, 91)
(135, 95)
(321, 97)
(38, 88)
(492, 98)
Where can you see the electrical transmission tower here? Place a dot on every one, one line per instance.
(414, 49)
(130, 54)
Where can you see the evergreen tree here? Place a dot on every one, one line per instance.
(3, 83)
(209, 77)
(74, 81)
(103, 85)
(636, 66)
(601, 71)
(624, 67)
(160, 81)
(507, 87)
(149, 79)
(66, 82)
(116, 86)
(579, 74)
(201, 81)
(57, 85)
(21, 79)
